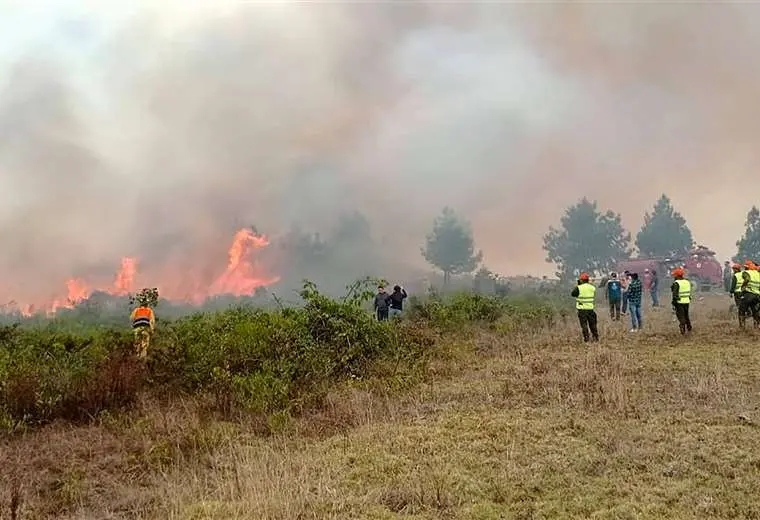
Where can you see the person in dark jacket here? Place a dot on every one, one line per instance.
(654, 289)
(382, 303)
(634, 301)
(397, 301)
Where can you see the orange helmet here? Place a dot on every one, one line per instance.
(677, 272)
(584, 277)
(736, 267)
(750, 265)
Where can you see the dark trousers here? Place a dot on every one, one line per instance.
(382, 314)
(682, 313)
(587, 319)
(749, 303)
(625, 303)
(615, 310)
(740, 310)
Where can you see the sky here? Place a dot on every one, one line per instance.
(155, 129)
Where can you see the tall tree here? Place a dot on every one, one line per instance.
(450, 246)
(748, 247)
(588, 240)
(664, 232)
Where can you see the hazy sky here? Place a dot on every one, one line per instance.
(155, 129)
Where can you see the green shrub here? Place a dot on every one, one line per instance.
(455, 311)
(244, 358)
(44, 376)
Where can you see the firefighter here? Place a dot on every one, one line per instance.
(681, 291)
(585, 294)
(144, 320)
(735, 291)
(750, 293)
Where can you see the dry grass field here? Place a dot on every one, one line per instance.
(645, 425)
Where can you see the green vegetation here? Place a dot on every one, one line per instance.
(450, 246)
(664, 233)
(503, 413)
(748, 247)
(246, 359)
(587, 240)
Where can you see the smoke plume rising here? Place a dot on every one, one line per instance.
(166, 130)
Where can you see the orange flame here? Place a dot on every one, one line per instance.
(242, 276)
(125, 279)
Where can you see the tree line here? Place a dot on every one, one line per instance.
(587, 239)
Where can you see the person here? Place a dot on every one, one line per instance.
(614, 294)
(735, 292)
(681, 298)
(634, 301)
(624, 284)
(585, 294)
(750, 298)
(382, 302)
(728, 276)
(654, 289)
(144, 320)
(646, 283)
(397, 301)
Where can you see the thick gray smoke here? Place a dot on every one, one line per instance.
(159, 144)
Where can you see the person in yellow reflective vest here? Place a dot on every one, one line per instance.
(681, 290)
(585, 295)
(735, 291)
(750, 289)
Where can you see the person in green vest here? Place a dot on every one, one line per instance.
(681, 290)
(585, 294)
(750, 293)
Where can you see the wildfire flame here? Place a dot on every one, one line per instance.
(125, 280)
(243, 276)
(240, 277)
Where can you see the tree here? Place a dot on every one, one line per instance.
(664, 232)
(749, 245)
(450, 246)
(588, 241)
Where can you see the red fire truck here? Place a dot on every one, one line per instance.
(700, 265)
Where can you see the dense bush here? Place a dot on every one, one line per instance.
(452, 312)
(47, 375)
(244, 358)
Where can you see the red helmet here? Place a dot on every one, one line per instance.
(677, 272)
(584, 277)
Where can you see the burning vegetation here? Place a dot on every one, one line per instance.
(243, 274)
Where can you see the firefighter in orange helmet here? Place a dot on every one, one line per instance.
(750, 294)
(144, 320)
(585, 296)
(681, 291)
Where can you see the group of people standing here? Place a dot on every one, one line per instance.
(625, 294)
(745, 290)
(389, 305)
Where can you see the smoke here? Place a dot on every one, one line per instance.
(165, 130)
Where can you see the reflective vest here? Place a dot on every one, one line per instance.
(585, 299)
(739, 281)
(142, 317)
(684, 291)
(754, 281)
